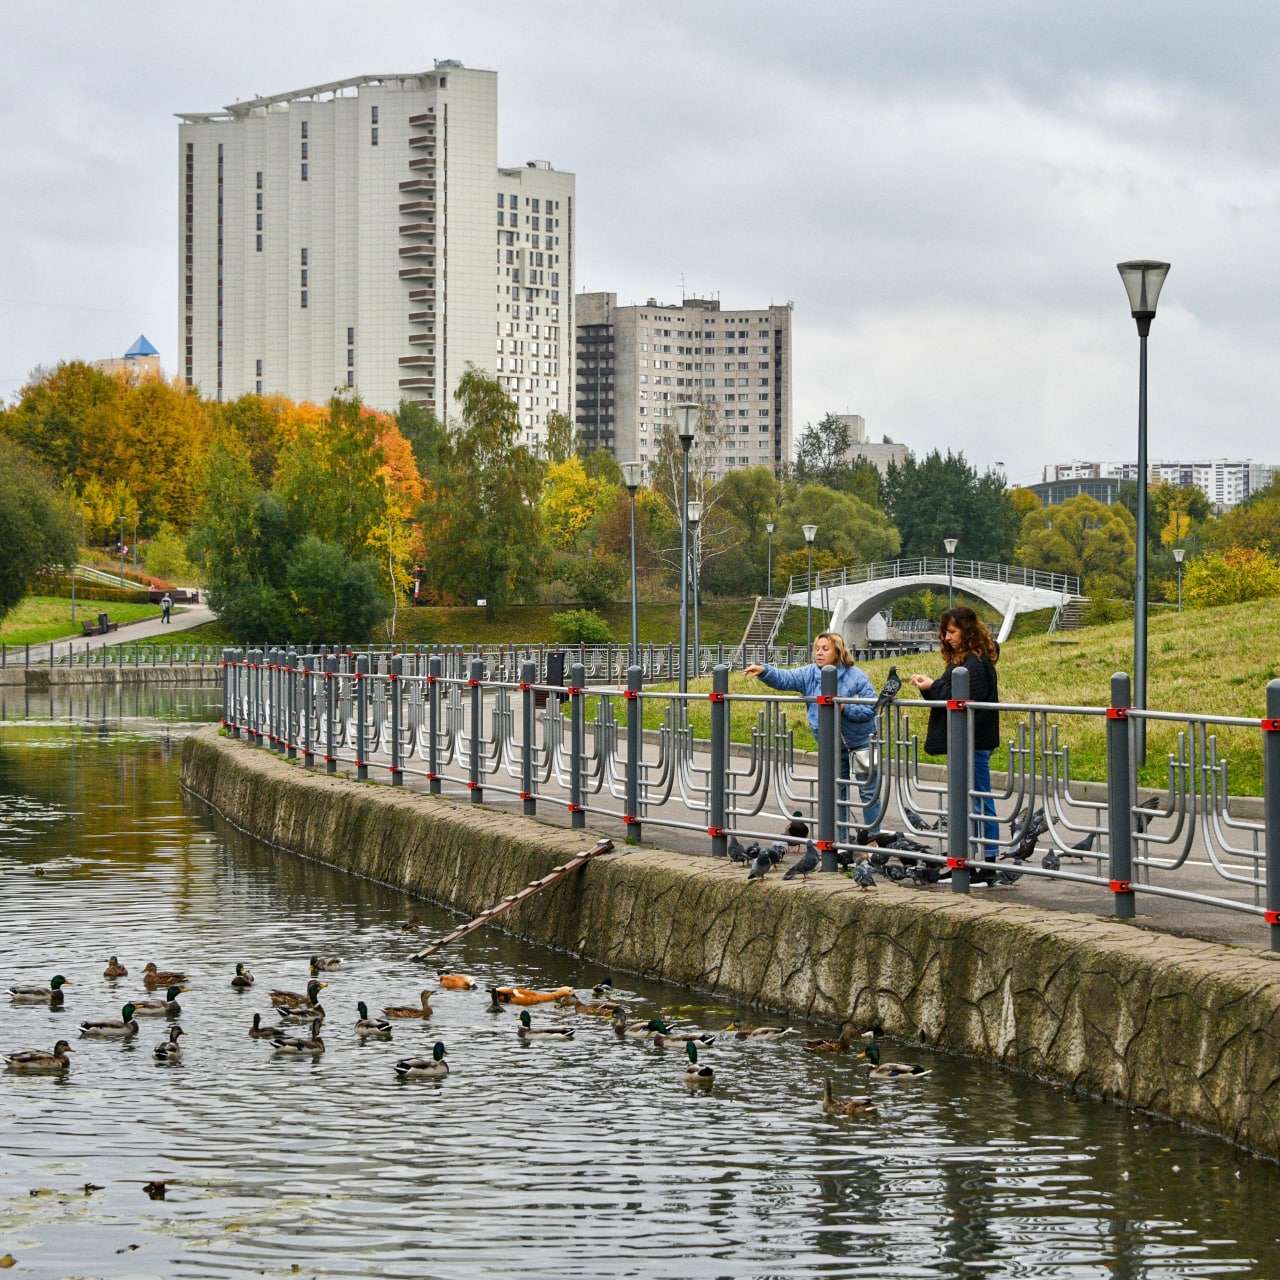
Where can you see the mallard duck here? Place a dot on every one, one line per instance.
(35, 1062)
(424, 1068)
(593, 1008)
(259, 1032)
(320, 963)
(367, 1026)
(302, 1014)
(527, 1031)
(169, 1050)
(127, 1026)
(281, 1043)
(845, 1106)
(522, 995)
(698, 1077)
(602, 988)
(408, 1010)
(758, 1033)
(891, 1070)
(456, 982)
(115, 969)
(295, 999)
(411, 925)
(662, 1036)
(166, 1008)
(625, 1028)
(243, 979)
(153, 977)
(848, 1034)
(52, 994)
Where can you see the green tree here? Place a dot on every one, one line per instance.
(332, 598)
(600, 464)
(1085, 538)
(1255, 522)
(257, 422)
(849, 531)
(481, 528)
(946, 498)
(560, 435)
(1231, 576)
(420, 426)
(36, 524)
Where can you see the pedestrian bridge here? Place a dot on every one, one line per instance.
(854, 598)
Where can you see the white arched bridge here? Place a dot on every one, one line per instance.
(854, 598)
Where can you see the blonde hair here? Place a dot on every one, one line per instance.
(843, 657)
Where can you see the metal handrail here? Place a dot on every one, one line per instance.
(937, 566)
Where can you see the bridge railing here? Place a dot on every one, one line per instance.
(936, 567)
(717, 768)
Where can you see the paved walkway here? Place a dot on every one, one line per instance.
(183, 618)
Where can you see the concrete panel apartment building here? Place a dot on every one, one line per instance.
(636, 363)
(360, 235)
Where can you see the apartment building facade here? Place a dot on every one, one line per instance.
(1224, 482)
(635, 363)
(360, 235)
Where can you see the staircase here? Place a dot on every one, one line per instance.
(762, 629)
(1070, 615)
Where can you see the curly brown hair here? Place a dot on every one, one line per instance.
(974, 636)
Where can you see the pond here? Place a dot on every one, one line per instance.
(580, 1158)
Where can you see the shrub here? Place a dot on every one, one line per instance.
(581, 626)
(1233, 576)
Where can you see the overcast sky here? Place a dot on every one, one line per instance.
(941, 188)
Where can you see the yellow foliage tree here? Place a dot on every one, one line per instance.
(572, 502)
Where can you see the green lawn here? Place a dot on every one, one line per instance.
(41, 618)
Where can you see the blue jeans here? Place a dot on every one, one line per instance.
(990, 830)
(871, 805)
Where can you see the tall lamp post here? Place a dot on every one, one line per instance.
(695, 519)
(686, 420)
(1142, 281)
(1178, 553)
(950, 544)
(810, 532)
(122, 550)
(631, 472)
(768, 581)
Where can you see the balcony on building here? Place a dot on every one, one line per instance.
(418, 229)
(426, 185)
(419, 206)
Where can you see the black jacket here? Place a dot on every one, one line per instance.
(983, 687)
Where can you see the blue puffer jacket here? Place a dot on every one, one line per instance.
(856, 722)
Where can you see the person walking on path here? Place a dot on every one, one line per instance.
(857, 719)
(166, 607)
(966, 642)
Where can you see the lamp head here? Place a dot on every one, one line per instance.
(810, 532)
(1143, 280)
(1178, 553)
(950, 544)
(769, 527)
(631, 472)
(687, 414)
(695, 512)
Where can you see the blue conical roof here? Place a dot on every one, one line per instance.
(141, 348)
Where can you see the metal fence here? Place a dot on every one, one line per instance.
(134, 653)
(726, 767)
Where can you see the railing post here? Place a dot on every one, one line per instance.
(330, 713)
(635, 739)
(255, 696)
(1271, 806)
(291, 704)
(828, 769)
(528, 721)
(394, 685)
(719, 759)
(577, 746)
(435, 665)
(959, 771)
(475, 682)
(362, 705)
(227, 721)
(309, 711)
(1121, 797)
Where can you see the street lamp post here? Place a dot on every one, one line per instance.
(122, 551)
(631, 472)
(687, 419)
(768, 580)
(695, 520)
(1143, 281)
(950, 544)
(1178, 553)
(810, 532)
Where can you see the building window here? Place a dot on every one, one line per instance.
(259, 199)
(304, 276)
(304, 297)
(259, 222)
(373, 115)
(304, 150)
(501, 200)
(304, 172)
(304, 257)
(373, 136)
(304, 128)
(259, 244)
(258, 387)
(258, 368)
(259, 179)
(351, 377)
(351, 358)
(351, 335)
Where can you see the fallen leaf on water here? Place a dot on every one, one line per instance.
(8, 1261)
(129, 1248)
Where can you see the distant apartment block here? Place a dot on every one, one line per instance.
(634, 364)
(861, 449)
(361, 235)
(1224, 483)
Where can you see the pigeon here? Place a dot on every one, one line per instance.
(1082, 847)
(863, 876)
(1026, 846)
(1051, 861)
(922, 872)
(777, 851)
(807, 862)
(736, 851)
(919, 823)
(904, 844)
(879, 859)
(1142, 820)
(888, 691)
(896, 872)
(760, 866)
(844, 857)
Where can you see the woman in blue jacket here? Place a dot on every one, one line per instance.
(857, 720)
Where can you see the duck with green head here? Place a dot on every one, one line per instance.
(892, 1070)
(169, 1051)
(52, 994)
(295, 999)
(110, 1029)
(527, 1031)
(166, 1008)
(431, 1068)
(699, 1077)
(367, 1026)
(312, 1044)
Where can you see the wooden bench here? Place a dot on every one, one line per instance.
(89, 628)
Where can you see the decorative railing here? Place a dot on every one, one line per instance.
(659, 759)
(937, 567)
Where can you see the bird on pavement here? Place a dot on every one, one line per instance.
(777, 851)
(1051, 861)
(888, 691)
(736, 852)
(1081, 847)
(762, 864)
(808, 862)
(863, 876)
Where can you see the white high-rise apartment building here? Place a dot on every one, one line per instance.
(1224, 482)
(635, 364)
(361, 235)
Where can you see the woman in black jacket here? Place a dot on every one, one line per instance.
(967, 643)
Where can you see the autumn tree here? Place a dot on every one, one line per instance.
(849, 530)
(572, 503)
(1085, 538)
(36, 524)
(1230, 576)
(480, 523)
(49, 419)
(1255, 522)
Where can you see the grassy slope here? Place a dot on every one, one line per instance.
(41, 618)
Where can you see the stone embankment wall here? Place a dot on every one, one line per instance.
(60, 677)
(1187, 1029)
